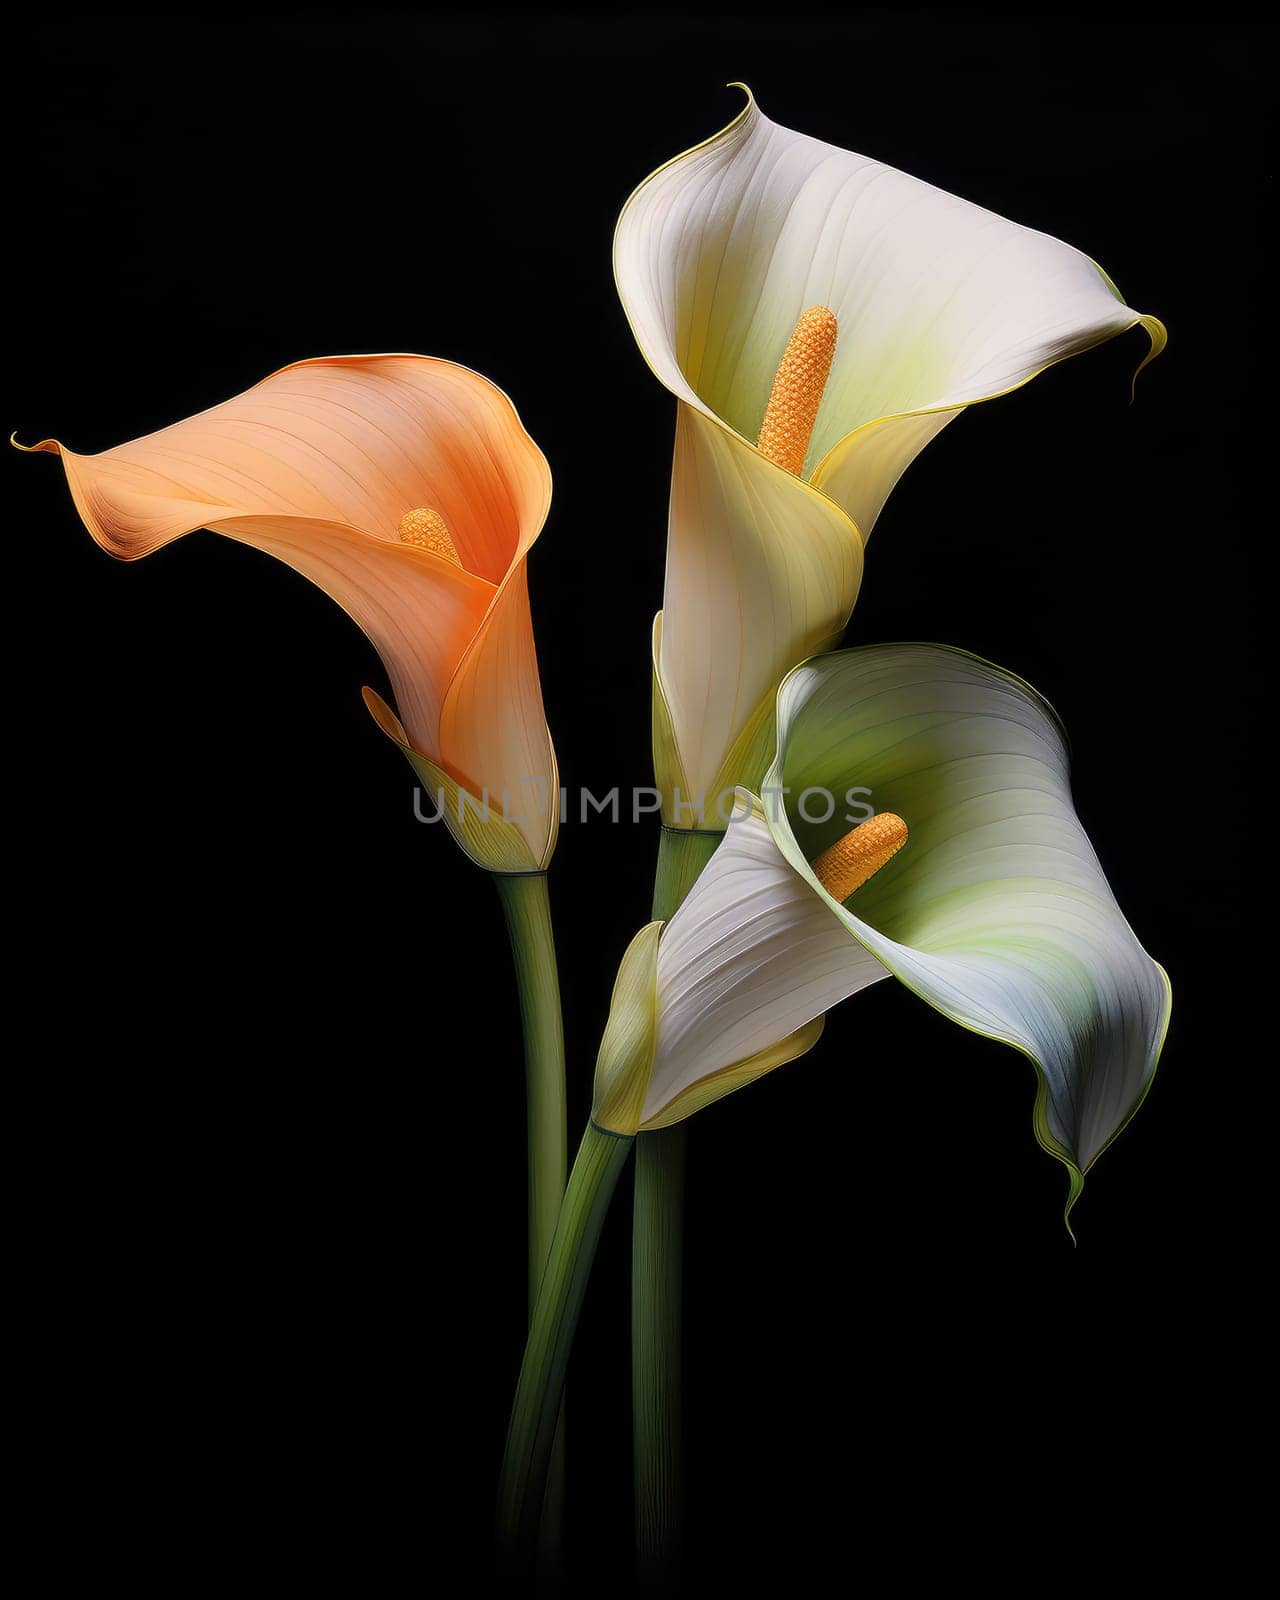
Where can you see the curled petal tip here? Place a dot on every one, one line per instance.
(1159, 336)
(33, 449)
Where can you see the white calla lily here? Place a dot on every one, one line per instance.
(996, 911)
(973, 882)
(939, 304)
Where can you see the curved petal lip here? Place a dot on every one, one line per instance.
(674, 379)
(528, 534)
(1112, 1099)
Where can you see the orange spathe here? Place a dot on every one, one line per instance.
(318, 465)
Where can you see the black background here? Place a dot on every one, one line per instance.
(267, 1218)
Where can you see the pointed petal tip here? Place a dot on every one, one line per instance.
(1073, 1194)
(1159, 336)
(49, 445)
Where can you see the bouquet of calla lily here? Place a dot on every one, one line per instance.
(831, 817)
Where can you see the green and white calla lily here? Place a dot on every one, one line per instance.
(996, 911)
(939, 304)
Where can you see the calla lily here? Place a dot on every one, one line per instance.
(988, 902)
(973, 883)
(408, 490)
(819, 317)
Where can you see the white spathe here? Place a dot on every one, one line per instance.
(749, 958)
(940, 304)
(996, 911)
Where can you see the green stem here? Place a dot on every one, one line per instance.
(527, 908)
(657, 1264)
(600, 1160)
(682, 854)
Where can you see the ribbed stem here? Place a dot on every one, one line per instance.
(527, 908)
(682, 854)
(600, 1160)
(657, 1266)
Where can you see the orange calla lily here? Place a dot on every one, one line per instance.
(407, 488)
